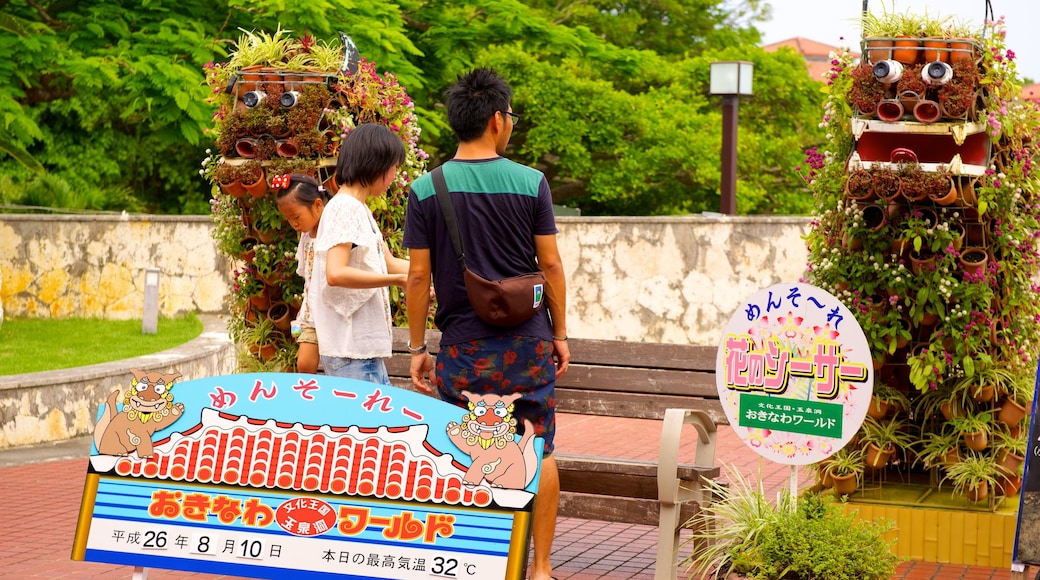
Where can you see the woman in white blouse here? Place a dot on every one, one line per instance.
(350, 304)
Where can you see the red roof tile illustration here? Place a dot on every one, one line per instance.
(394, 463)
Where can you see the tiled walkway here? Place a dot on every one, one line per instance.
(40, 491)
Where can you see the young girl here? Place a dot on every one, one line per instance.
(350, 303)
(301, 199)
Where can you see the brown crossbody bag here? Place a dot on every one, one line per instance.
(506, 302)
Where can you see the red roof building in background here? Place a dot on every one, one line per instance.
(1031, 93)
(816, 54)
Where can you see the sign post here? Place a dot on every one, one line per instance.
(271, 475)
(1027, 530)
(794, 374)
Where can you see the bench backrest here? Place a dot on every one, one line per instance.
(616, 378)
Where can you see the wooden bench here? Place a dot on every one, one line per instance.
(668, 382)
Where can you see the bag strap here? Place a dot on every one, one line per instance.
(448, 209)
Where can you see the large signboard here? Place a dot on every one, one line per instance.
(794, 373)
(277, 475)
(1027, 533)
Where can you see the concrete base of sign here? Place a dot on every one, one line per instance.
(935, 526)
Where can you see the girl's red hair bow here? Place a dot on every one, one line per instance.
(280, 181)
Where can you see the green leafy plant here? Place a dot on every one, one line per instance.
(973, 475)
(973, 422)
(887, 435)
(935, 449)
(743, 532)
(846, 461)
(245, 285)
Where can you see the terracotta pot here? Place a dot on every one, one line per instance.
(330, 184)
(877, 408)
(935, 49)
(1008, 486)
(961, 50)
(952, 456)
(844, 484)
(890, 110)
(967, 193)
(976, 441)
(950, 410)
(874, 217)
(1009, 461)
(978, 492)
(983, 394)
(927, 111)
(973, 260)
(332, 143)
(285, 148)
(947, 196)
(258, 189)
(234, 189)
(958, 232)
(1011, 413)
(248, 244)
(246, 147)
(260, 301)
(851, 243)
(264, 235)
(907, 50)
(264, 351)
(878, 50)
(862, 196)
(279, 315)
(249, 77)
(877, 457)
(920, 262)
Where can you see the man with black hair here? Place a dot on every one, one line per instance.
(507, 227)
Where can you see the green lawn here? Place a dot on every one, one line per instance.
(29, 345)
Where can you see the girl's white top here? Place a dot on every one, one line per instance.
(305, 267)
(350, 322)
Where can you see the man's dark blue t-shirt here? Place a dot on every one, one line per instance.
(501, 206)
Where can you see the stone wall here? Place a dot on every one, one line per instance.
(674, 279)
(87, 265)
(61, 404)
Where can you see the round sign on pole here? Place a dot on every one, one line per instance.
(794, 373)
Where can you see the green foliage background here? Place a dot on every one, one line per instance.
(103, 106)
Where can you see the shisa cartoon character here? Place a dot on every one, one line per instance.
(487, 436)
(147, 407)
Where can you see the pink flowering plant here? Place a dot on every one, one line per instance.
(304, 137)
(869, 270)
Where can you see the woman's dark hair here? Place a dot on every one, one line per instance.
(367, 153)
(474, 99)
(304, 189)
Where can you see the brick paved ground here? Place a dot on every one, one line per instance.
(39, 503)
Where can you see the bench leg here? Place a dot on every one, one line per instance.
(667, 542)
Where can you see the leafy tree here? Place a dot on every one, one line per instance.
(666, 27)
(109, 96)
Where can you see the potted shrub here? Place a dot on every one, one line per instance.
(1017, 403)
(939, 449)
(882, 439)
(974, 428)
(845, 468)
(865, 92)
(745, 535)
(1010, 451)
(973, 476)
(889, 398)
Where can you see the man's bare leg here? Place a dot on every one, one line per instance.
(543, 521)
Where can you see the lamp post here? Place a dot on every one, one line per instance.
(730, 79)
(150, 318)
